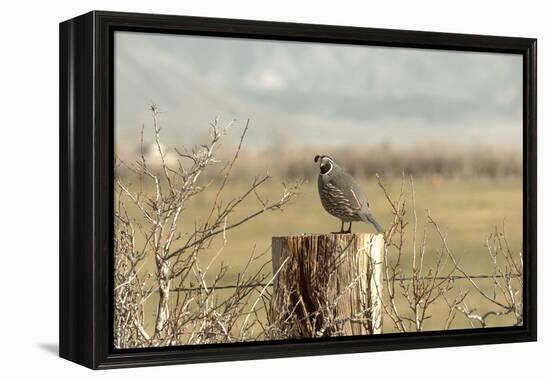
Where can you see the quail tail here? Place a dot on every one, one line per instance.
(368, 218)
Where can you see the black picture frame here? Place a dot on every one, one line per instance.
(86, 195)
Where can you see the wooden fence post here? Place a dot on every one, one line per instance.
(327, 285)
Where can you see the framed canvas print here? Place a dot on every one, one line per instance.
(237, 189)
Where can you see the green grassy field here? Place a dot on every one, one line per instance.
(466, 210)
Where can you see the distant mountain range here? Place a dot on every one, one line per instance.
(315, 94)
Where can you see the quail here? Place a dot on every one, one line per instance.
(341, 196)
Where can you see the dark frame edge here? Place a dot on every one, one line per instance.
(76, 255)
(530, 186)
(278, 350)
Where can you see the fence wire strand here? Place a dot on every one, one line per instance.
(266, 284)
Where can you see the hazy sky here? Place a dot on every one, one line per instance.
(312, 93)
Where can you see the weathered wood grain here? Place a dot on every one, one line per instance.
(328, 285)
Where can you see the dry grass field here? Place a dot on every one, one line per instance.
(467, 211)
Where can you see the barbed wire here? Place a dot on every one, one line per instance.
(266, 284)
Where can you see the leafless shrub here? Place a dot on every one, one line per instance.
(408, 298)
(195, 315)
(505, 297)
